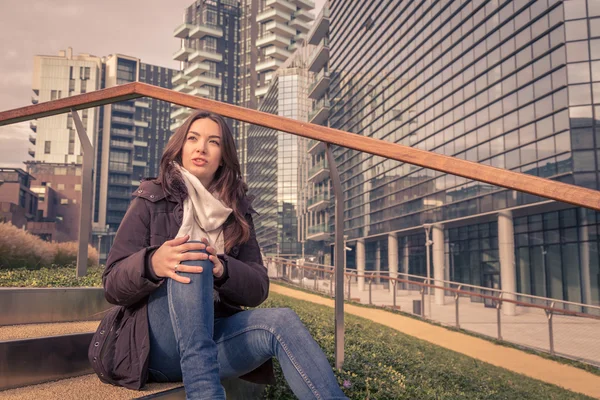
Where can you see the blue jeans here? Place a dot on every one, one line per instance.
(187, 343)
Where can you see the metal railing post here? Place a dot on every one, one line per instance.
(422, 301)
(331, 284)
(370, 285)
(85, 216)
(301, 276)
(349, 283)
(498, 316)
(549, 315)
(394, 283)
(456, 300)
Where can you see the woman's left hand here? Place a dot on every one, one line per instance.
(218, 269)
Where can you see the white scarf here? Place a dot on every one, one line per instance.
(203, 213)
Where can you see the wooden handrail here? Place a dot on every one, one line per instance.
(457, 291)
(547, 188)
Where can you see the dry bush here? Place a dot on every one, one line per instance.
(66, 253)
(19, 248)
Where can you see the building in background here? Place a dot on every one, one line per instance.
(274, 161)
(58, 188)
(56, 77)
(18, 203)
(511, 85)
(130, 141)
(230, 50)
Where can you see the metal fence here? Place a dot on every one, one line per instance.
(561, 328)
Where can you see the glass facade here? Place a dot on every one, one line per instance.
(506, 84)
(273, 164)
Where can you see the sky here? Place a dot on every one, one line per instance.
(142, 29)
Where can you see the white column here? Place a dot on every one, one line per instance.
(392, 257)
(437, 236)
(377, 260)
(584, 250)
(508, 270)
(360, 262)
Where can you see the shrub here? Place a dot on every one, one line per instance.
(50, 277)
(21, 249)
(66, 254)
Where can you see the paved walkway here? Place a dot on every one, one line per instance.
(536, 367)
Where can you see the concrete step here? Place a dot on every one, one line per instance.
(29, 331)
(89, 387)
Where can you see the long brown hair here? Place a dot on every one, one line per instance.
(227, 183)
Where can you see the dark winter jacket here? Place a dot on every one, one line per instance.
(120, 349)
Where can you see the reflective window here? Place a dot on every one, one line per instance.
(576, 30)
(577, 51)
(575, 9)
(579, 72)
(580, 95)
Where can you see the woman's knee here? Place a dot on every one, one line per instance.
(285, 319)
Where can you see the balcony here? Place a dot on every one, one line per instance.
(318, 203)
(124, 108)
(120, 144)
(175, 125)
(300, 38)
(141, 104)
(300, 25)
(318, 232)
(141, 124)
(320, 26)
(183, 88)
(320, 56)
(32, 139)
(316, 146)
(304, 15)
(139, 163)
(122, 133)
(200, 31)
(182, 54)
(278, 28)
(281, 5)
(272, 14)
(140, 143)
(181, 113)
(261, 91)
(318, 172)
(33, 125)
(120, 168)
(179, 79)
(196, 69)
(273, 40)
(122, 121)
(278, 53)
(200, 92)
(319, 85)
(201, 80)
(306, 4)
(269, 65)
(118, 194)
(320, 112)
(199, 56)
(31, 152)
(183, 31)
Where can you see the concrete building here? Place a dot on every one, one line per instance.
(130, 141)
(509, 85)
(58, 188)
(56, 77)
(18, 203)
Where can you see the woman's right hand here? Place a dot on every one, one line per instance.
(165, 261)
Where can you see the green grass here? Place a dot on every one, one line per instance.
(381, 363)
(573, 363)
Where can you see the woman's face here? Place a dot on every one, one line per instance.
(201, 153)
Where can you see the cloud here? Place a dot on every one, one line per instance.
(62, 10)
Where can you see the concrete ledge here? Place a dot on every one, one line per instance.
(41, 305)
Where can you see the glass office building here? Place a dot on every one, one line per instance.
(274, 160)
(514, 85)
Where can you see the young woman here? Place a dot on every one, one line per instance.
(184, 263)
